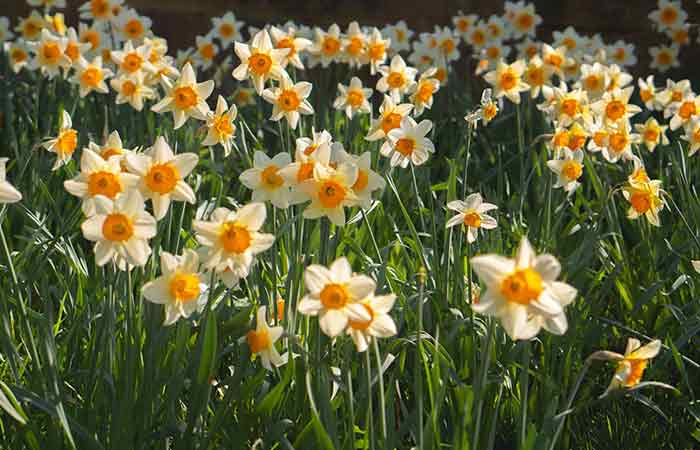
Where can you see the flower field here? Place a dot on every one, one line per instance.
(347, 237)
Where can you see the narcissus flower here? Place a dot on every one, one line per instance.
(289, 100)
(377, 49)
(265, 180)
(367, 181)
(100, 10)
(397, 78)
(507, 80)
(227, 29)
(120, 229)
(651, 133)
(619, 142)
(525, 20)
(91, 76)
(537, 75)
(8, 193)
(335, 295)
(261, 341)
(131, 60)
(399, 35)
(186, 98)
(327, 47)
(260, 61)
(692, 136)
(220, 127)
(594, 80)
(683, 111)
(112, 147)
(162, 175)
(390, 117)
(232, 239)
(645, 200)
(664, 57)
(309, 153)
(131, 89)
(353, 98)
(523, 292)
(354, 46)
(181, 288)
(669, 15)
(647, 93)
(330, 191)
(622, 53)
(614, 106)
(50, 56)
(631, 365)
(18, 55)
(472, 213)
(422, 92)
(32, 26)
(129, 25)
(568, 170)
(289, 39)
(380, 324)
(99, 176)
(409, 143)
(487, 110)
(206, 51)
(65, 143)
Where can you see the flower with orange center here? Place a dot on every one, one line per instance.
(290, 41)
(186, 98)
(568, 170)
(645, 199)
(31, 26)
(377, 48)
(50, 53)
(261, 341)
(91, 76)
(181, 288)
(368, 181)
(652, 134)
(630, 366)
(265, 180)
(227, 29)
(130, 25)
(289, 100)
(397, 78)
(664, 57)
(669, 15)
(131, 60)
(206, 51)
(390, 117)
(131, 89)
(523, 292)
(121, 229)
(335, 294)
(647, 92)
(353, 98)
(472, 214)
(99, 10)
(220, 127)
(614, 106)
(18, 54)
(525, 21)
(232, 239)
(421, 93)
(536, 75)
(162, 175)
(330, 191)
(260, 61)
(409, 143)
(65, 143)
(507, 80)
(683, 111)
(380, 324)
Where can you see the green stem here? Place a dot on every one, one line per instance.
(419, 358)
(524, 381)
(380, 378)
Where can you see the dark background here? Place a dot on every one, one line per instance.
(181, 20)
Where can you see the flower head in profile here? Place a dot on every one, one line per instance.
(568, 169)
(380, 324)
(335, 294)
(232, 239)
(692, 136)
(507, 81)
(120, 229)
(486, 112)
(8, 193)
(186, 98)
(353, 98)
(112, 146)
(91, 76)
(523, 292)
(408, 143)
(220, 127)
(260, 61)
(631, 365)
(181, 288)
(265, 180)
(289, 100)
(472, 214)
(645, 200)
(397, 78)
(65, 143)
(162, 175)
(99, 176)
(390, 117)
(261, 341)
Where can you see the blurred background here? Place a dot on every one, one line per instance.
(181, 20)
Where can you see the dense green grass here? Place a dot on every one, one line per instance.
(87, 363)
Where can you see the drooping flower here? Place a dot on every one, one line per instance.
(265, 180)
(335, 295)
(65, 143)
(631, 365)
(487, 110)
(120, 229)
(186, 98)
(523, 292)
(181, 288)
(261, 341)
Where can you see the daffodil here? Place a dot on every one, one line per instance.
(101, 11)
(377, 49)
(367, 181)
(335, 295)
(8, 193)
(91, 35)
(463, 23)
(289, 100)
(409, 143)
(645, 200)
(507, 80)
(162, 175)
(265, 180)
(652, 134)
(380, 324)
(523, 292)
(99, 176)
(692, 136)
(131, 89)
(227, 29)
(120, 229)
(537, 75)
(594, 80)
(330, 191)
(112, 147)
(186, 98)
(206, 51)
(670, 14)
(614, 106)
(220, 127)
(554, 58)
(181, 288)
(525, 20)
(647, 93)
(50, 56)
(243, 96)
(290, 40)
(75, 49)
(472, 214)
(390, 117)
(619, 142)
(65, 143)
(568, 170)
(327, 47)
(354, 46)
(399, 35)
(309, 153)
(261, 341)
(683, 111)
(423, 91)
(486, 112)
(31, 27)
(353, 98)
(91, 76)
(664, 57)
(622, 54)
(131, 60)
(260, 61)
(18, 55)
(631, 365)
(232, 239)
(130, 26)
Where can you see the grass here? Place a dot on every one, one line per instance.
(87, 364)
